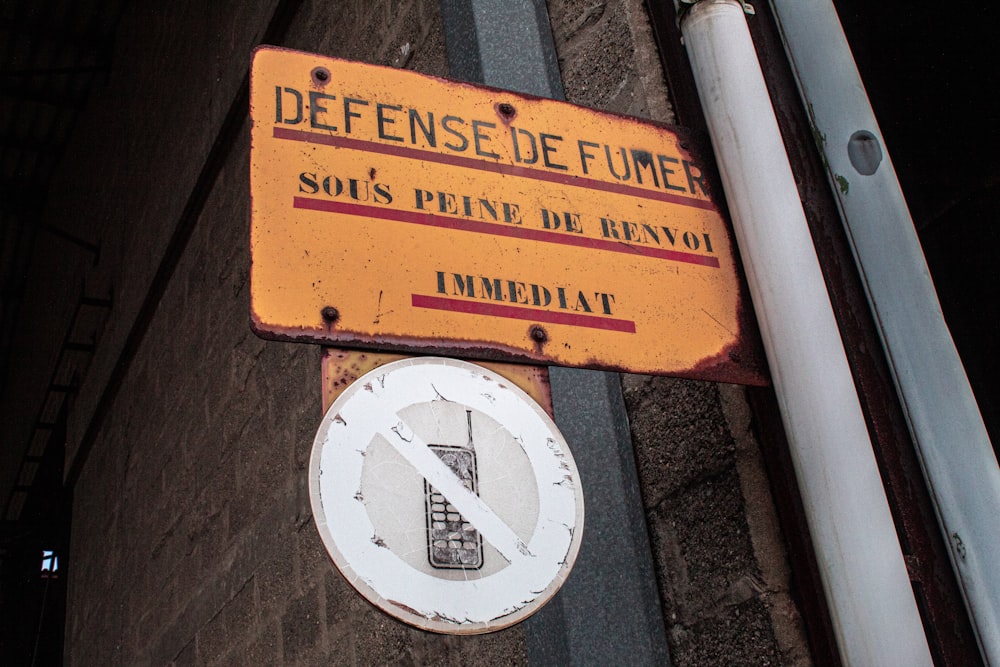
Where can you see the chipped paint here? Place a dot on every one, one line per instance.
(342, 367)
(959, 545)
(527, 506)
(533, 231)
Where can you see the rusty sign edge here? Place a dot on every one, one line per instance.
(741, 361)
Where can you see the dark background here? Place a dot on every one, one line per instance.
(929, 70)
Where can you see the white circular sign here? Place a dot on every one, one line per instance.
(446, 496)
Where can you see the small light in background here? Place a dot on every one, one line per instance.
(50, 565)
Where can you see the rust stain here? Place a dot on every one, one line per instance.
(506, 111)
(341, 367)
(597, 232)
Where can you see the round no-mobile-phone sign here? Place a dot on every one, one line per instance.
(446, 496)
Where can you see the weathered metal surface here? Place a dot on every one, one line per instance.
(446, 496)
(342, 367)
(403, 212)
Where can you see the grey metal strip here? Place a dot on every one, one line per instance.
(610, 606)
(506, 44)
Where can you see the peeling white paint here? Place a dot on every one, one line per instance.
(369, 465)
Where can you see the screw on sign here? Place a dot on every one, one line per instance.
(446, 496)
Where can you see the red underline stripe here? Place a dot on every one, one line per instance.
(517, 313)
(499, 229)
(484, 165)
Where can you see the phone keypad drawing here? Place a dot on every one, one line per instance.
(453, 542)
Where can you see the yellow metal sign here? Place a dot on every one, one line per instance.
(404, 212)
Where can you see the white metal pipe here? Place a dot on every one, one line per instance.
(951, 439)
(871, 600)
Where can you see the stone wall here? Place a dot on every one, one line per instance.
(192, 537)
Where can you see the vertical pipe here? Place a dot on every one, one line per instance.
(874, 613)
(948, 431)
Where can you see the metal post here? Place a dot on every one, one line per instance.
(609, 607)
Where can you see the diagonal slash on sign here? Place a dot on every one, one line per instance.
(470, 506)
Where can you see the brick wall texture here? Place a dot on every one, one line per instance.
(192, 539)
